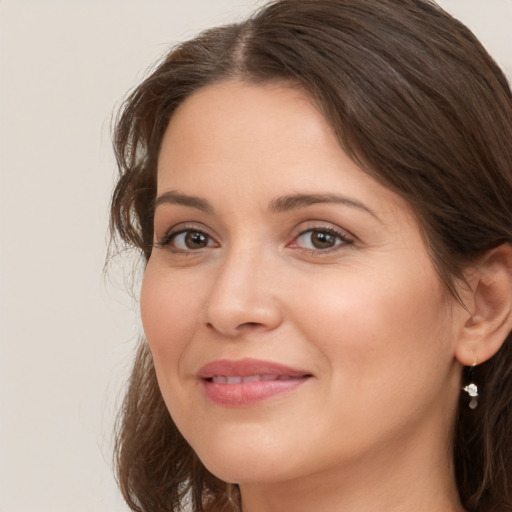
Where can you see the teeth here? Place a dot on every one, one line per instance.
(221, 379)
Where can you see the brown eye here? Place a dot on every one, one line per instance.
(195, 240)
(190, 240)
(321, 239)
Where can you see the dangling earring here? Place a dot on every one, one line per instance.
(472, 389)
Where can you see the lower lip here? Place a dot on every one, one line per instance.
(246, 394)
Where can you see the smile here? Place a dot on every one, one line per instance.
(251, 378)
(248, 382)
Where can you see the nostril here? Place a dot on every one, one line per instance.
(249, 325)
(237, 329)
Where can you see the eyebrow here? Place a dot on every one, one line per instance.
(278, 204)
(173, 197)
(295, 201)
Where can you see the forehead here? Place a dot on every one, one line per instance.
(251, 128)
(241, 115)
(235, 138)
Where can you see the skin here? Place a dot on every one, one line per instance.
(367, 317)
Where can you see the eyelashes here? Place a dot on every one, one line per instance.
(321, 239)
(313, 240)
(187, 239)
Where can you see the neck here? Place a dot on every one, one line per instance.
(403, 477)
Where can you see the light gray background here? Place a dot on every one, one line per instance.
(66, 333)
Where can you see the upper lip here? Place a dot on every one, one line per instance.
(247, 368)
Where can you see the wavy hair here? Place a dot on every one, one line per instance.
(419, 104)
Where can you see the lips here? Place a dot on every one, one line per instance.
(247, 382)
(250, 378)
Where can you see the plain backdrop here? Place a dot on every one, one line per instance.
(66, 332)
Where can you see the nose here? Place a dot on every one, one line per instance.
(243, 298)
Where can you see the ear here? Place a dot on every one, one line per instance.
(489, 318)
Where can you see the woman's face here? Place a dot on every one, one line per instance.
(296, 321)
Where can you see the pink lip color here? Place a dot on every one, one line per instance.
(264, 380)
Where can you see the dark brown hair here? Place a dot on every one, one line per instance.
(415, 100)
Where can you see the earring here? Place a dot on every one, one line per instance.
(472, 389)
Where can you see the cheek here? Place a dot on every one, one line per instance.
(371, 326)
(386, 345)
(170, 314)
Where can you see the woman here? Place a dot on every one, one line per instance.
(321, 196)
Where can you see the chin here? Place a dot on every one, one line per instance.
(250, 456)
(244, 470)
